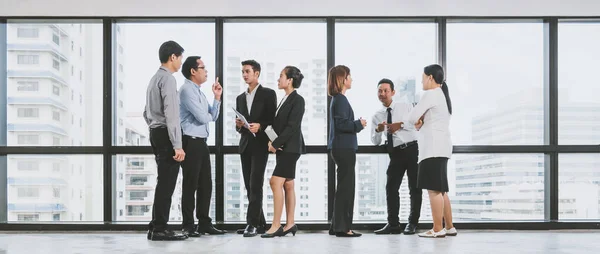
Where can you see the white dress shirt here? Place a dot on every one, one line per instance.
(400, 113)
(281, 103)
(250, 98)
(434, 138)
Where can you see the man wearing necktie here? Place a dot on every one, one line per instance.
(403, 150)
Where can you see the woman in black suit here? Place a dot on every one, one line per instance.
(342, 146)
(288, 146)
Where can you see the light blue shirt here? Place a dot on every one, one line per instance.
(194, 111)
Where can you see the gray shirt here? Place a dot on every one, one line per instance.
(162, 105)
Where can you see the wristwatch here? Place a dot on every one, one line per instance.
(402, 125)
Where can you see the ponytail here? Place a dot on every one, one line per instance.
(447, 95)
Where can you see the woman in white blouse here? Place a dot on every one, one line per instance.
(431, 116)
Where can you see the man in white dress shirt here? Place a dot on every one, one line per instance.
(400, 142)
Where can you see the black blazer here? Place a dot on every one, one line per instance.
(288, 125)
(263, 112)
(343, 127)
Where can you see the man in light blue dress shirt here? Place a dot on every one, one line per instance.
(196, 114)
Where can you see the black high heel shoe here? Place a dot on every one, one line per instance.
(292, 230)
(279, 232)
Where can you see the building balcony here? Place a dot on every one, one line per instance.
(36, 101)
(62, 31)
(145, 186)
(35, 181)
(37, 208)
(37, 74)
(35, 128)
(140, 201)
(43, 47)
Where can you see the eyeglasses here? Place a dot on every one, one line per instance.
(201, 67)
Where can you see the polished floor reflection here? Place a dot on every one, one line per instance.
(470, 241)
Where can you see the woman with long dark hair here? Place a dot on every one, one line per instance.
(342, 146)
(431, 116)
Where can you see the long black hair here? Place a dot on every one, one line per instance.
(437, 72)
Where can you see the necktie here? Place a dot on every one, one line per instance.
(390, 136)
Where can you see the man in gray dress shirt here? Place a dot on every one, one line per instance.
(196, 114)
(162, 116)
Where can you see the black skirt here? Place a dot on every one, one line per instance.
(286, 165)
(433, 174)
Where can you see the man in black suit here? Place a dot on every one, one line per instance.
(258, 105)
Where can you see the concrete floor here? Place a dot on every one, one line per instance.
(481, 242)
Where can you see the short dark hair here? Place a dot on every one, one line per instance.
(294, 73)
(386, 81)
(167, 49)
(190, 63)
(255, 65)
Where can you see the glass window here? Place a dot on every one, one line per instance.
(140, 62)
(28, 112)
(496, 186)
(236, 201)
(55, 90)
(304, 46)
(38, 69)
(578, 105)
(482, 187)
(138, 183)
(28, 32)
(44, 193)
(579, 187)
(28, 59)
(28, 86)
(397, 51)
(496, 83)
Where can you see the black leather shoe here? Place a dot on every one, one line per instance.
(166, 235)
(278, 232)
(210, 229)
(292, 230)
(344, 234)
(149, 235)
(250, 231)
(241, 231)
(389, 229)
(191, 233)
(410, 229)
(331, 232)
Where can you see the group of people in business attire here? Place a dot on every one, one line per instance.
(178, 122)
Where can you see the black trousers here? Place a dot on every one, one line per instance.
(197, 181)
(401, 161)
(343, 206)
(168, 170)
(254, 164)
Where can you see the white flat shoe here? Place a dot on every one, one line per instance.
(431, 234)
(451, 232)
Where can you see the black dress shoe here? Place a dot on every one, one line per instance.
(149, 235)
(241, 231)
(250, 231)
(167, 235)
(292, 230)
(210, 229)
(389, 229)
(344, 234)
(191, 233)
(278, 232)
(410, 229)
(331, 232)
